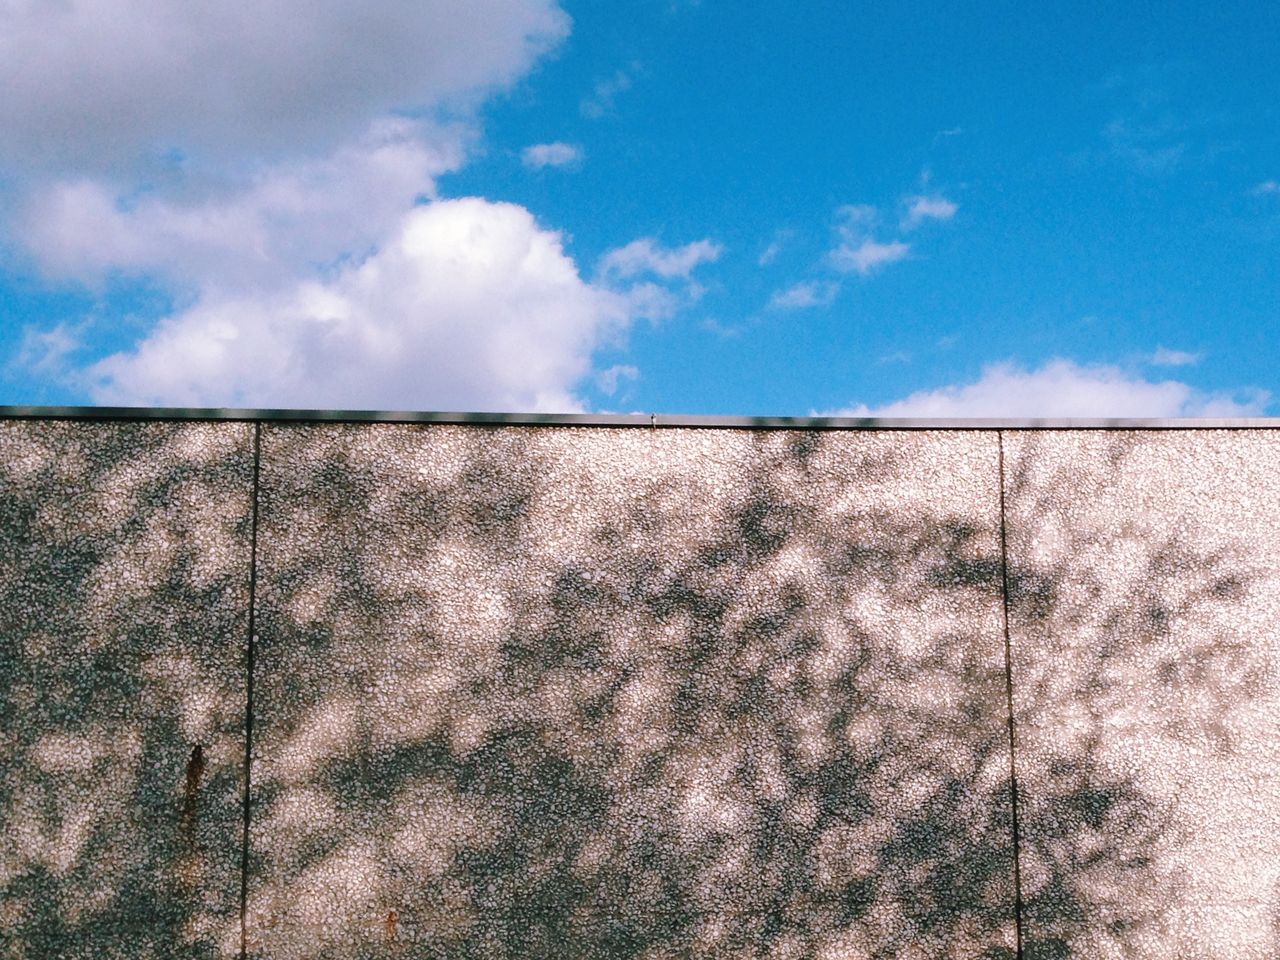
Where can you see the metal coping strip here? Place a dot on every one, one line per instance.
(653, 421)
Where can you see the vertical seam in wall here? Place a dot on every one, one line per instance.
(248, 707)
(1008, 687)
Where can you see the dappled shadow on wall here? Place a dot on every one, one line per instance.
(620, 693)
(605, 693)
(124, 562)
(682, 693)
(1143, 601)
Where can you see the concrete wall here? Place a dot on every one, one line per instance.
(591, 692)
(124, 576)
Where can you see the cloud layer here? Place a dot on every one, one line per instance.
(1062, 388)
(240, 233)
(97, 85)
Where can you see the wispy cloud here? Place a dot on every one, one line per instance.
(863, 249)
(1145, 132)
(608, 381)
(604, 93)
(1266, 188)
(1151, 148)
(557, 154)
(646, 255)
(724, 331)
(920, 209)
(858, 251)
(1063, 388)
(1164, 357)
(898, 356)
(868, 256)
(656, 281)
(46, 352)
(769, 254)
(804, 295)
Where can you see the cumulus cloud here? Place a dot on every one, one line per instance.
(255, 230)
(469, 305)
(646, 255)
(272, 169)
(556, 154)
(1062, 388)
(920, 209)
(804, 295)
(293, 215)
(94, 86)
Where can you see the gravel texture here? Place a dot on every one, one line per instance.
(1145, 614)
(626, 693)
(124, 563)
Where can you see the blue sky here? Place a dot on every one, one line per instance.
(656, 205)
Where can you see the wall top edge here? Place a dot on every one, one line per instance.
(658, 420)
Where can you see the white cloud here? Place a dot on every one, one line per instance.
(804, 295)
(867, 256)
(920, 209)
(556, 154)
(655, 281)
(93, 86)
(254, 232)
(295, 220)
(856, 218)
(608, 381)
(1266, 187)
(46, 352)
(1148, 131)
(605, 93)
(781, 238)
(858, 250)
(1062, 388)
(1164, 357)
(647, 256)
(469, 305)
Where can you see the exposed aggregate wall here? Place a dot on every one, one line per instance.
(623, 693)
(124, 575)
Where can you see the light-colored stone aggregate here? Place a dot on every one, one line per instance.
(124, 572)
(626, 693)
(615, 693)
(1145, 617)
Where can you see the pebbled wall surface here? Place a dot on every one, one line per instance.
(1146, 626)
(564, 693)
(124, 575)
(559, 692)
